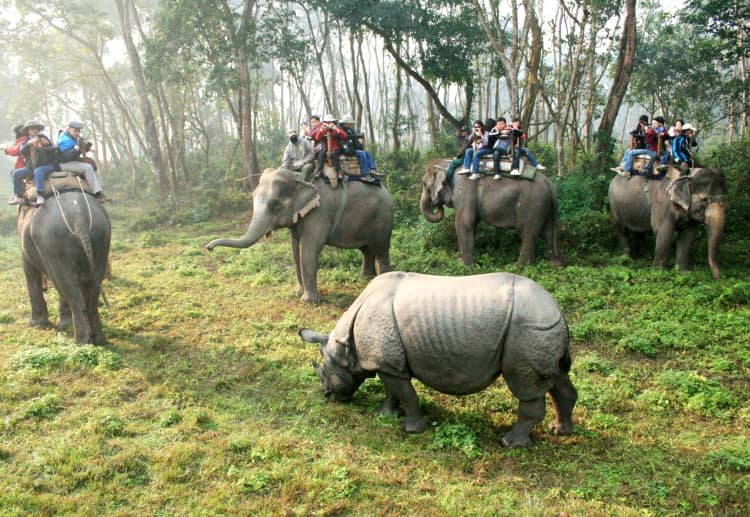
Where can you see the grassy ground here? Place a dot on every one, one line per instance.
(204, 401)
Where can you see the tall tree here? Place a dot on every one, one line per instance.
(622, 71)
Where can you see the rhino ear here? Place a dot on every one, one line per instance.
(309, 336)
(342, 352)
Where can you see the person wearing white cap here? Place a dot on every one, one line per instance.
(72, 147)
(299, 155)
(682, 148)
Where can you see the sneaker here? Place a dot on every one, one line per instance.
(15, 200)
(39, 201)
(515, 172)
(618, 170)
(475, 176)
(541, 167)
(101, 197)
(464, 170)
(497, 177)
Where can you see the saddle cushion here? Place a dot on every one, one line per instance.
(59, 180)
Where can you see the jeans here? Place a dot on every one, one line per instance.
(496, 155)
(630, 155)
(366, 162)
(522, 151)
(452, 168)
(471, 158)
(40, 173)
(18, 176)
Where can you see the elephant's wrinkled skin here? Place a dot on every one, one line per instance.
(638, 205)
(528, 206)
(67, 239)
(354, 215)
(456, 335)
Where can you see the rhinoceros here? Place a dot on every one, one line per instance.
(456, 335)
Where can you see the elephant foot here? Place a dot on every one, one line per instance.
(414, 425)
(42, 323)
(515, 440)
(64, 324)
(368, 273)
(313, 297)
(561, 428)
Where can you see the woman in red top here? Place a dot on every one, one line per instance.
(15, 150)
(29, 130)
(338, 136)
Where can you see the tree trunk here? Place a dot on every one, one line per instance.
(151, 140)
(623, 69)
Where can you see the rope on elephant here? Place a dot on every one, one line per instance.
(62, 212)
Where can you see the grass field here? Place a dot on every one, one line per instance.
(204, 402)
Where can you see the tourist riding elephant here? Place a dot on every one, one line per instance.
(529, 206)
(457, 335)
(67, 239)
(355, 215)
(638, 205)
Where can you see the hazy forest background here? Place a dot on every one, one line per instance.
(203, 402)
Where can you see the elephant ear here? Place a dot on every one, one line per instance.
(438, 184)
(306, 198)
(680, 192)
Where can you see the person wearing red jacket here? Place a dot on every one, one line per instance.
(329, 134)
(15, 149)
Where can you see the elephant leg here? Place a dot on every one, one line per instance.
(623, 239)
(528, 243)
(403, 391)
(383, 261)
(368, 262)
(296, 258)
(66, 318)
(465, 229)
(79, 307)
(684, 242)
(530, 413)
(635, 242)
(663, 244)
(35, 287)
(564, 397)
(96, 333)
(309, 252)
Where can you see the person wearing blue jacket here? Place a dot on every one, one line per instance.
(71, 147)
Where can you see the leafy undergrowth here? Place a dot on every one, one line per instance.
(204, 401)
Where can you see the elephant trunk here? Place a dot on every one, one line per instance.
(715, 225)
(260, 225)
(428, 209)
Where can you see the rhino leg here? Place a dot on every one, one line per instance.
(389, 407)
(530, 413)
(564, 397)
(401, 390)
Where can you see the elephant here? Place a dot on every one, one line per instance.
(674, 204)
(457, 335)
(529, 206)
(355, 215)
(67, 240)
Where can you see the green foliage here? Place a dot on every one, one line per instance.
(735, 456)
(459, 436)
(696, 392)
(195, 207)
(64, 353)
(44, 407)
